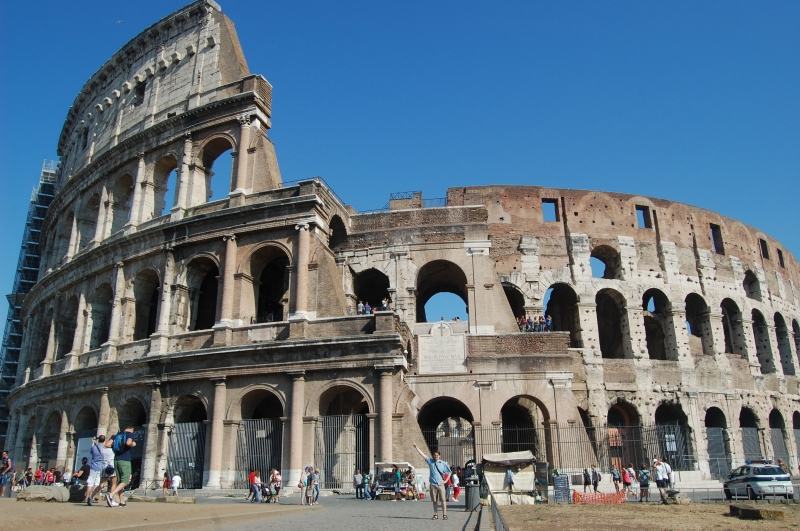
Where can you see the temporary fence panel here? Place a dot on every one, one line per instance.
(752, 444)
(258, 447)
(187, 449)
(341, 445)
(779, 445)
(83, 446)
(719, 458)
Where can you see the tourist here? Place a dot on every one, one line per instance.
(529, 325)
(596, 478)
(366, 483)
(587, 480)
(101, 468)
(385, 304)
(251, 477)
(644, 483)
(360, 308)
(122, 444)
(175, 483)
(628, 477)
(309, 483)
(302, 485)
(6, 473)
(165, 485)
(275, 484)
(83, 472)
(439, 473)
(316, 484)
(662, 471)
(549, 323)
(615, 477)
(255, 487)
(358, 484)
(456, 483)
(367, 308)
(783, 466)
(397, 481)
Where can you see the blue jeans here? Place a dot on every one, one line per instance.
(256, 494)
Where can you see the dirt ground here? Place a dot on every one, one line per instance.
(137, 515)
(634, 516)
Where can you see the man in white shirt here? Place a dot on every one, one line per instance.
(662, 471)
(176, 484)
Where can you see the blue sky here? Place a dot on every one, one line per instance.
(695, 101)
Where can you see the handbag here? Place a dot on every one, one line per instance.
(445, 477)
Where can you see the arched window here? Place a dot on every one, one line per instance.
(624, 435)
(719, 452)
(515, 299)
(751, 286)
(761, 339)
(202, 280)
(606, 263)
(784, 345)
(446, 424)
(186, 454)
(100, 312)
(145, 293)
(658, 325)
(698, 325)
(121, 196)
(218, 166)
(269, 267)
(65, 325)
(165, 181)
(561, 304)
(524, 420)
(87, 221)
(751, 442)
(612, 324)
(338, 233)
(777, 429)
(732, 327)
(371, 286)
(796, 334)
(675, 443)
(438, 277)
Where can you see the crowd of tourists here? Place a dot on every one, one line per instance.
(623, 479)
(529, 323)
(365, 308)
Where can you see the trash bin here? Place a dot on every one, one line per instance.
(473, 494)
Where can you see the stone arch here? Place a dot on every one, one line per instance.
(338, 232)
(796, 334)
(732, 328)
(371, 286)
(190, 408)
(625, 437)
(749, 426)
(784, 344)
(131, 413)
(751, 286)
(62, 239)
(657, 316)
(516, 299)
(269, 271)
(86, 421)
(146, 290)
(674, 435)
(439, 276)
(210, 152)
(606, 262)
(612, 324)
(66, 325)
(698, 325)
(343, 398)
(202, 282)
(761, 340)
(446, 425)
(524, 421)
(48, 441)
(562, 307)
(41, 329)
(777, 432)
(121, 196)
(165, 186)
(718, 443)
(261, 403)
(88, 219)
(100, 306)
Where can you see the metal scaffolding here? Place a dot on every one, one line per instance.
(26, 275)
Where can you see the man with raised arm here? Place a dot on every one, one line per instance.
(439, 474)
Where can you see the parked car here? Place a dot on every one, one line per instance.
(758, 480)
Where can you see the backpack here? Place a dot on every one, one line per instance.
(119, 445)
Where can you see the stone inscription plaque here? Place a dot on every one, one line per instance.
(442, 351)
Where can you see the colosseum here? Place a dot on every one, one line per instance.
(220, 317)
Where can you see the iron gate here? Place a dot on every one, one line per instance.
(779, 445)
(187, 450)
(341, 445)
(258, 447)
(719, 459)
(751, 444)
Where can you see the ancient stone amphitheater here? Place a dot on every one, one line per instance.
(213, 306)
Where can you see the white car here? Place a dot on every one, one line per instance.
(758, 480)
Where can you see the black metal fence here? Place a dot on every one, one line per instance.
(187, 453)
(341, 445)
(258, 447)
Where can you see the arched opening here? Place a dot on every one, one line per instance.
(612, 324)
(87, 221)
(515, 300)
(698, 325)
(748, 423)
(61, 245)
(132, 414)
(719, 451)
(341, 436)
(270, 269)
(338, 233)
(625, 443)
(446, 424)
(796, 429)
(202, 279)
(605, 262)
(751, 286)
(187, 439)
(439, 276)
(121, 195)
(218, 166)
(41, 331)
(525, 426)
(48, 444)
(85, 426)
(674, 440)
(561, 304)
(100, 312)
(796, 334)
(260, 435)
(146, 294)
(784, 345)
(777, 433)
(65, 326)
(761, 339)
(657, 325)
(371, 286)
(732, 328)
(165, 180)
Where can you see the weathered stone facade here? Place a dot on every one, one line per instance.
(158, 309)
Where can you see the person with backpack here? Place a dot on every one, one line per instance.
(615, 477)
(587, 479)
(644, 483)
(101, 468)
(122, 444)
(596, 478)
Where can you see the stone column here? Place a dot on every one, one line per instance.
(301, 272)
(184, 177)
(676, 337)
(296, 427)
(242, 156)
(159, 342)
(217, 431)
(73, 238)
(50, 352)
(116, 305)
(229, 270)
(150, 452)
(137, 214)
(79, 336)
(774, 348)
(33, 451)
(100, 227)
(635, 344)
(104, 415)
(385, 411)
(63, 442)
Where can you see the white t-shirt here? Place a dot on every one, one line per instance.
(454, 479)
(176, 481)
(108, 457)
